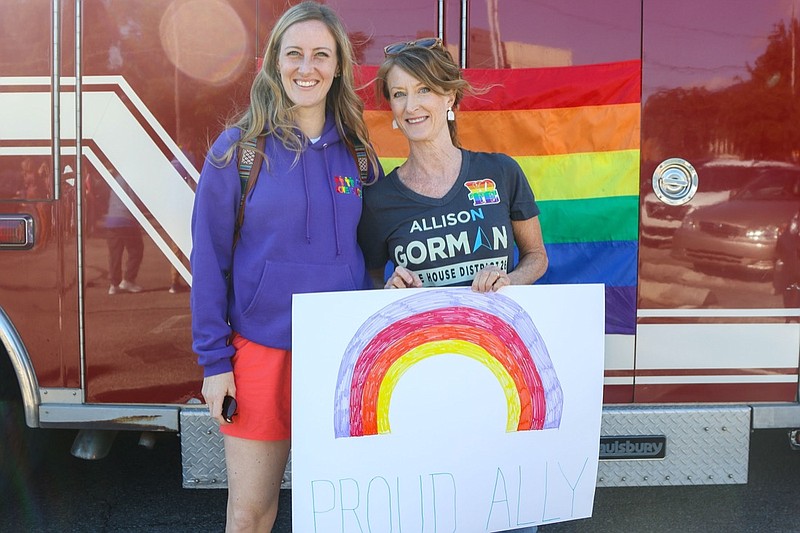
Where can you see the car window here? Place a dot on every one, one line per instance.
(772, 185)
(722, 178)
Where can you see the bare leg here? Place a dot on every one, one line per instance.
(255, 469)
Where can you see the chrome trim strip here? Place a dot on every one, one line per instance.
(709, 379)
(464, 29)
(61, 395)
(716, 313)
(122, 417)
(26, 377)
(440, 24)
(79, 193)
(775, 416)
(55, 89)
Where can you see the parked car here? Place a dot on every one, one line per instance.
(717, 180)
(787, 265)
(740, 233)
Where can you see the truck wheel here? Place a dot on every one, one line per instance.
(20, 451)
(794, 439)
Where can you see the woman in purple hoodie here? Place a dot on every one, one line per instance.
(298, 236)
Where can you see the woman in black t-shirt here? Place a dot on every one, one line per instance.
(447, 216)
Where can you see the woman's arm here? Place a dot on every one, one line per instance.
(215, 388)
(532, 254)
(215, 203)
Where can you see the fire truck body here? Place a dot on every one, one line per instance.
(660, 140)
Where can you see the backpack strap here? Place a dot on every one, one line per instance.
(250, 156)
(247, 157)
(363, 162)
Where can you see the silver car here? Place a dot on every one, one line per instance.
(740, 234)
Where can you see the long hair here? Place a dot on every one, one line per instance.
(435, 68)
(270, 109)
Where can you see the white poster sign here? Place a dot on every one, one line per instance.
(445, 410)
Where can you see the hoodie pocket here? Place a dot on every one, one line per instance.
(279, 281)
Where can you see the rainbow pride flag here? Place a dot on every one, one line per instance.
(575, 133)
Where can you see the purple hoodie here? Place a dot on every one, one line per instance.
(298, 236)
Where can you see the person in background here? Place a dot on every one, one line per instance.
(97, 196)
(35, 188)
(447, 216)
(298, 236)
(124, 239)
(66, 213)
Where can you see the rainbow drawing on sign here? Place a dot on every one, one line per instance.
(490, 328)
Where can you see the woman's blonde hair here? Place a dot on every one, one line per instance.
(270, 109)
(435, 68)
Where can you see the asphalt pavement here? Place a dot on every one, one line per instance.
(135, 489)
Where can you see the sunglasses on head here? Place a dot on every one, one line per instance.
(427, 42)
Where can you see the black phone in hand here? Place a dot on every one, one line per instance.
(228, 408)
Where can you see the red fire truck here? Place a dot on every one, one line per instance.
(660, 138)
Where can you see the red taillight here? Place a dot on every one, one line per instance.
(16, 232)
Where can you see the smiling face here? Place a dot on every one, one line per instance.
(421, 113)
(307, 63)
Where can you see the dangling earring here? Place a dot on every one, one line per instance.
(394, 124)
(450, 115)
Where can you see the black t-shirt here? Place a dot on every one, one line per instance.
(446, 241)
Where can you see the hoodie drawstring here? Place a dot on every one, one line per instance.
(308, 200)
(333, 201)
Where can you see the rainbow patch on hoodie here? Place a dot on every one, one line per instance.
(345, 185)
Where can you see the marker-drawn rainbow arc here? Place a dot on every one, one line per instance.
(489, 328)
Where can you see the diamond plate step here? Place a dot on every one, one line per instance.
(708, 445)
(202, 453)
